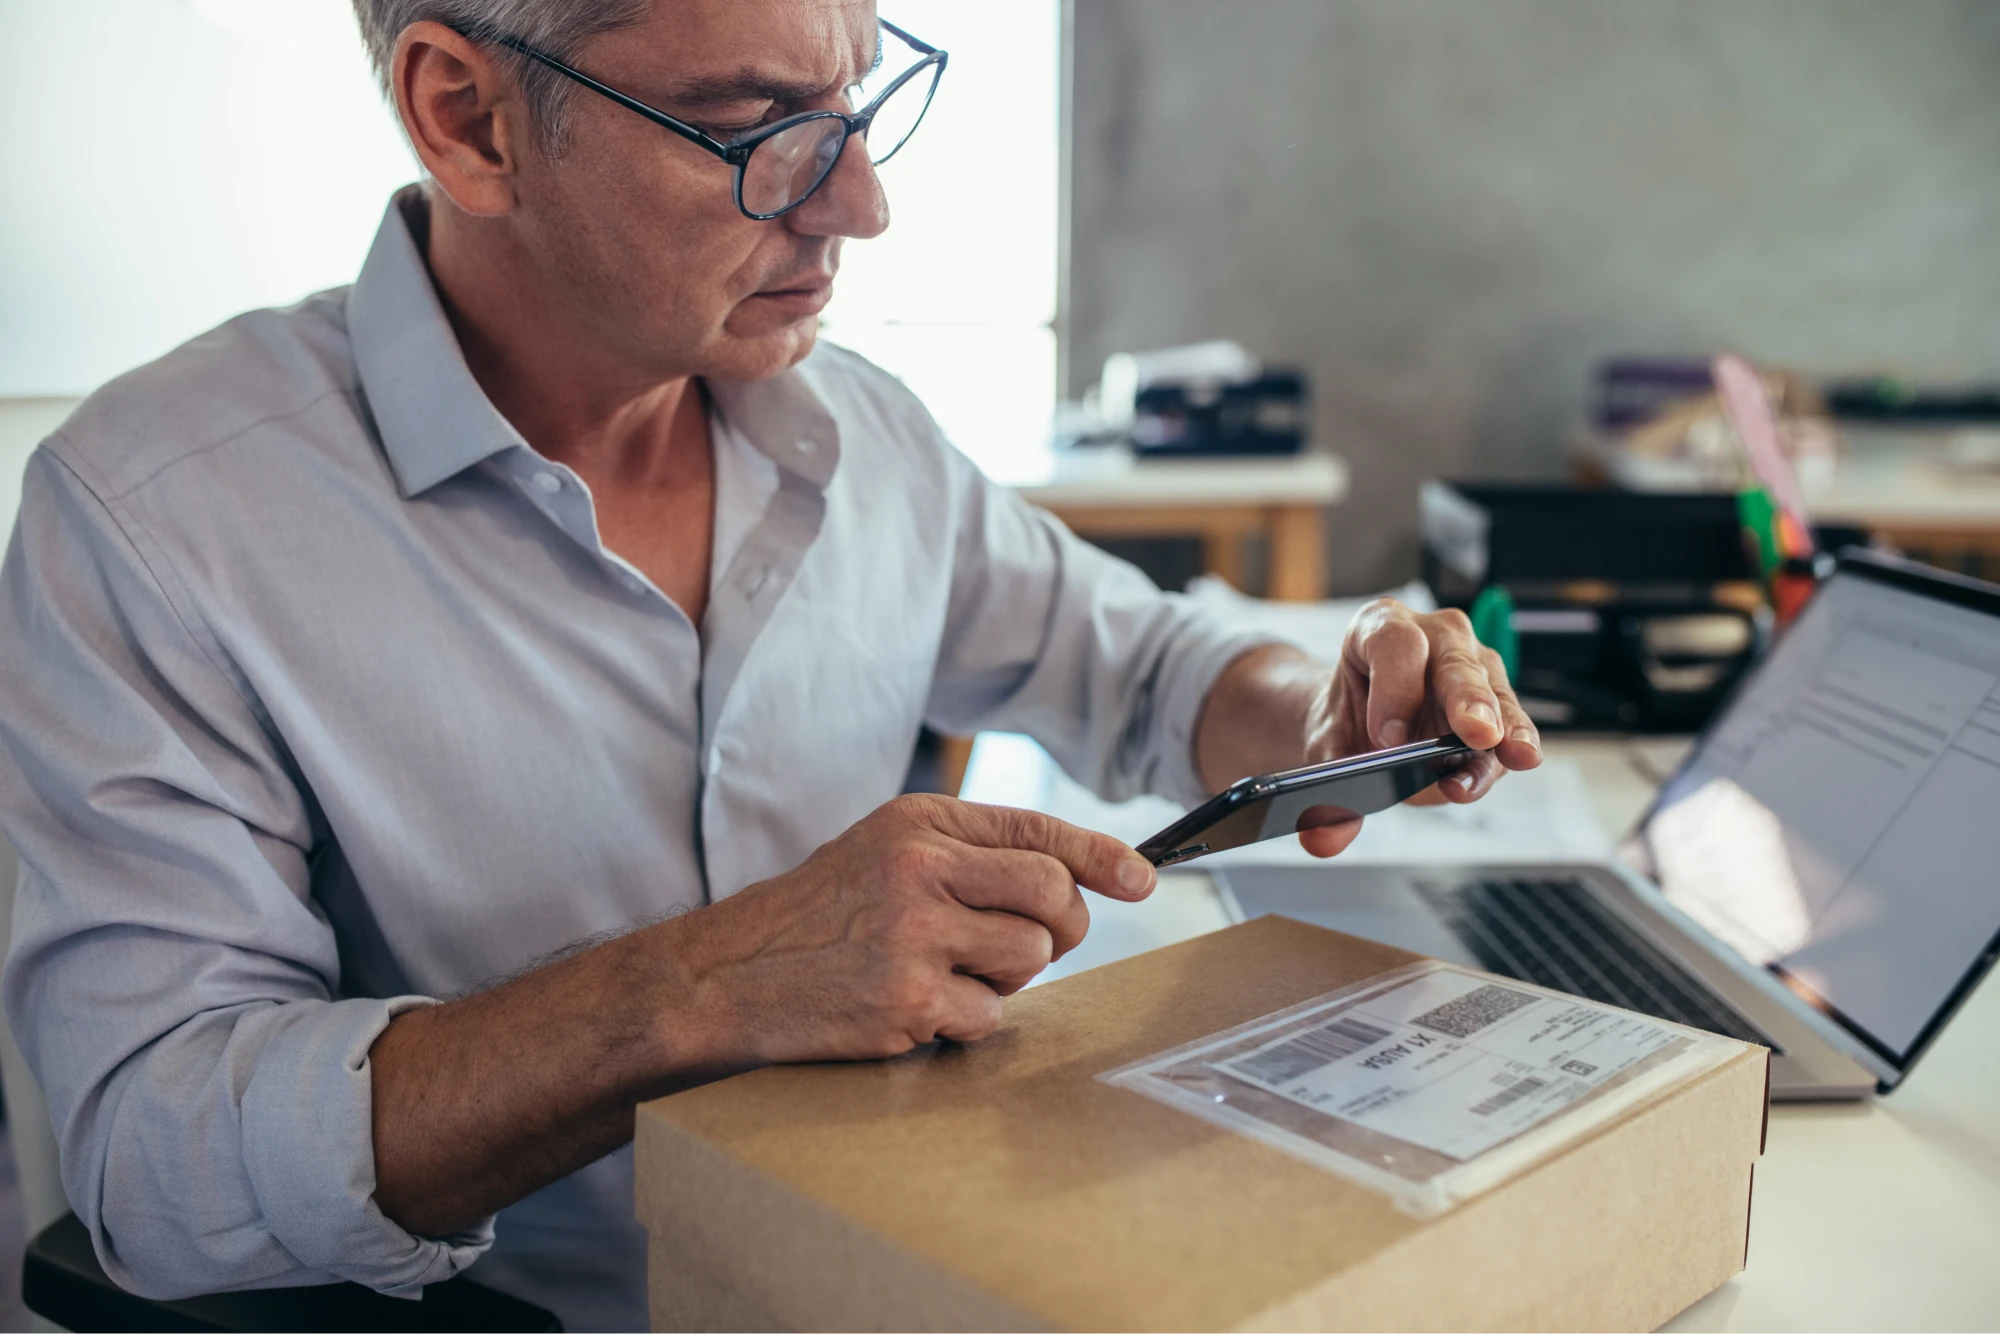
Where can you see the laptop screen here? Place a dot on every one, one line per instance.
(1839, 823)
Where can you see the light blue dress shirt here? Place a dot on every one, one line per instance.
(320, 699)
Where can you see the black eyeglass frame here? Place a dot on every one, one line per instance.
(737, 154)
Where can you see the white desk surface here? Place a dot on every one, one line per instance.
(1882, 1215)
(1108, 477)
(1888, 489)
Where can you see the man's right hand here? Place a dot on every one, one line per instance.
(908, 927)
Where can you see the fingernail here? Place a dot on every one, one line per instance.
(1482, 713)
(1395, 732)
(1526, 734)
(1135, 876)
(1464, 781)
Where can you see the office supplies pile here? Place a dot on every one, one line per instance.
(1617, 609)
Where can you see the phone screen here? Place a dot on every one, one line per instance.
(1290, 803)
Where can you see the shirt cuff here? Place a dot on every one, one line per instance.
(309, 1150)
(1175, 775)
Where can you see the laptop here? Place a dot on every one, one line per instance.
(1820, 875)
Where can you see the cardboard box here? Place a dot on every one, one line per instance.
(1004, 1185)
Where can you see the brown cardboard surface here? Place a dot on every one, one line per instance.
(697, 1301)
(1001, 1185)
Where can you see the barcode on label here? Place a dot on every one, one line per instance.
(1310, 1050)
(1474, 1010)
(1508, 1096)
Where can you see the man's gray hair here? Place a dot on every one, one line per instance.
(558, 27)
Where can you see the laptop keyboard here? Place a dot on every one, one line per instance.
(1553, 933)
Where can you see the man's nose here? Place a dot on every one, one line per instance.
(849, 203)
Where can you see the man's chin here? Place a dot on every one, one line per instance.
(760, 356)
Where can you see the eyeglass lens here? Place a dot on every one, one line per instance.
(896, 119)
(790, 165)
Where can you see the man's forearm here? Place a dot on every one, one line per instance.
(480, 1101)
(1258, 715)
(907, 928)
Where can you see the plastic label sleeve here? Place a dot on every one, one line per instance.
(1430, 1083)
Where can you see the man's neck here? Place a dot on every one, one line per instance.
(544, 368)
(640, 444)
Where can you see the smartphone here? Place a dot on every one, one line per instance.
(1253, 809)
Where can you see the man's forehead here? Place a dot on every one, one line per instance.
(715, 50)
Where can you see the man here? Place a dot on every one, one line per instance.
(525, 625)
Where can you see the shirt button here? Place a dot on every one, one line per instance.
(548, 482)
(635, 583)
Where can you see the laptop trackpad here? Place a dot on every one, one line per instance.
(1373, 902)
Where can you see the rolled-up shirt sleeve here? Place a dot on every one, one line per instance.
(1053, 637)
(171, 980)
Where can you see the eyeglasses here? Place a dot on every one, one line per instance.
(778, 166)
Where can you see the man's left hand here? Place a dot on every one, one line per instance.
(1408, 676)
(1403, 676)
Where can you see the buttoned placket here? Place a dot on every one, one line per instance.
(751, 588)
(742, 604)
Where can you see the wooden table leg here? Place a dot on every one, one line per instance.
(1298, 553)
(954, 753)
(1222, 554)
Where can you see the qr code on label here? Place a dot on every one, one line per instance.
(1474, 1010)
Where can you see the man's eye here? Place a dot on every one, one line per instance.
(742, 125)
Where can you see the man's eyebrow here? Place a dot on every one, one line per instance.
(742, 86)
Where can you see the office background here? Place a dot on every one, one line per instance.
(1449, 211)
(1445, 211)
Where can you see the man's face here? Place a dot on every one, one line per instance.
(640, 227)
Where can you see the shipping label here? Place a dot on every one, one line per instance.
(1454, 1062)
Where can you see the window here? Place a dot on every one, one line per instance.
(141, 205)
(958, 297)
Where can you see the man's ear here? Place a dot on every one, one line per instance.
(464, 115)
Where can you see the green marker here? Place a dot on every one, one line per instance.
(1758, 514)
(1493, 622)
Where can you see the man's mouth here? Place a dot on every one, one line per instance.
(802, 296)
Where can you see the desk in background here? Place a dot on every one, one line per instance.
(1909, 497)
(1868, 1216)
(1103, 492)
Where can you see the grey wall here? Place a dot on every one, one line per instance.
(1448, 211)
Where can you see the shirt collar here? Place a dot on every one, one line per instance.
(434, 419)
(786, 419)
